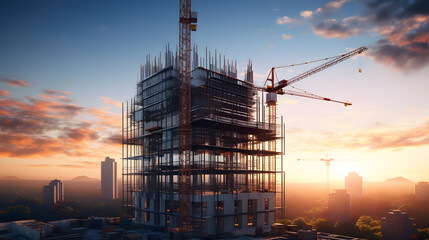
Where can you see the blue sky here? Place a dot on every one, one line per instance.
(93, 50)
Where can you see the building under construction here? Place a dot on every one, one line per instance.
(236, 171)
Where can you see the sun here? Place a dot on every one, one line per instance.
(340, 169)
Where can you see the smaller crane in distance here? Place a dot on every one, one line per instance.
(328, 164)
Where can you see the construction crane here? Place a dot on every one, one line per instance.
(328, 164)
(187, 23)
(278, 88)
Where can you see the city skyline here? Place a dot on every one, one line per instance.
(67, 69)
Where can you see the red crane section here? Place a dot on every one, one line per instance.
(185, 116)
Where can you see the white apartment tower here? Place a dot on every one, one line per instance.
(53, 193)
(109, 186)
(353, 185)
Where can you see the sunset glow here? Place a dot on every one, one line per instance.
(66, 71)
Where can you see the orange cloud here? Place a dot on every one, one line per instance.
(54, 94)
(111, 102)
(43, 127)
(371, 140)
(4, 93)
(14, 83)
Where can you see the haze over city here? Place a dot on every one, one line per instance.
(67, 67)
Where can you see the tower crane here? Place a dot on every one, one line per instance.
(328, 164)
(187, 23)
(273, 89)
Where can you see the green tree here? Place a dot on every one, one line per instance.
(369, 228)
(323, 225)
(423, 234)
(18, 212)
(284, 221)
(345, 228)
(299, 222)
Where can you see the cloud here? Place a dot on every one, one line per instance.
(404, 48)
(306, 14)
(79, 134)
(335, 4)
(348, 27)
(380, 138)
(43, 127)
(14, 83)
(285, 20)
(54, 94)
(111, 102)
(4, 93)
(115, 139)
(402, 27)
(73, 166)
(286, 37)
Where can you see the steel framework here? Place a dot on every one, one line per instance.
(233, 146)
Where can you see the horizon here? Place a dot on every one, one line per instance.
(336, 182)
(67, 70)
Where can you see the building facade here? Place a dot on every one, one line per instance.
(237, 176)
(353, 184)
(397, 226)
(339, 206)
(109, 181)
(53, 193)
(422, 191)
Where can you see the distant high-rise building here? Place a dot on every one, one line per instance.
(53, 193)
(339, 206)
(109, 186)
(353, 185)
(397, 226)
(422, 191)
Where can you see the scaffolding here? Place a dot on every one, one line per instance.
(233, 146)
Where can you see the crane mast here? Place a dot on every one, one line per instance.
(185, 116)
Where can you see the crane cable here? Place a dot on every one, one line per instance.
(303, 63)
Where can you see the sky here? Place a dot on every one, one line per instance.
(67, 66)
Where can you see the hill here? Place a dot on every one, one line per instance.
(9, 178)
(398, 180)
(83, 179)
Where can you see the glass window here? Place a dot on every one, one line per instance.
(266, 218)
(251, 220)
(147, 203)
(252, 205)
(219, 206)
(146, 216)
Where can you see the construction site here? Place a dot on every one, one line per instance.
(203, 150)
(236, 168)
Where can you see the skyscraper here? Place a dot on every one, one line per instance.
(353, 185)
(422, 191)
(109, 186)
(397, 226)
(53, 193)
(339, 206)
